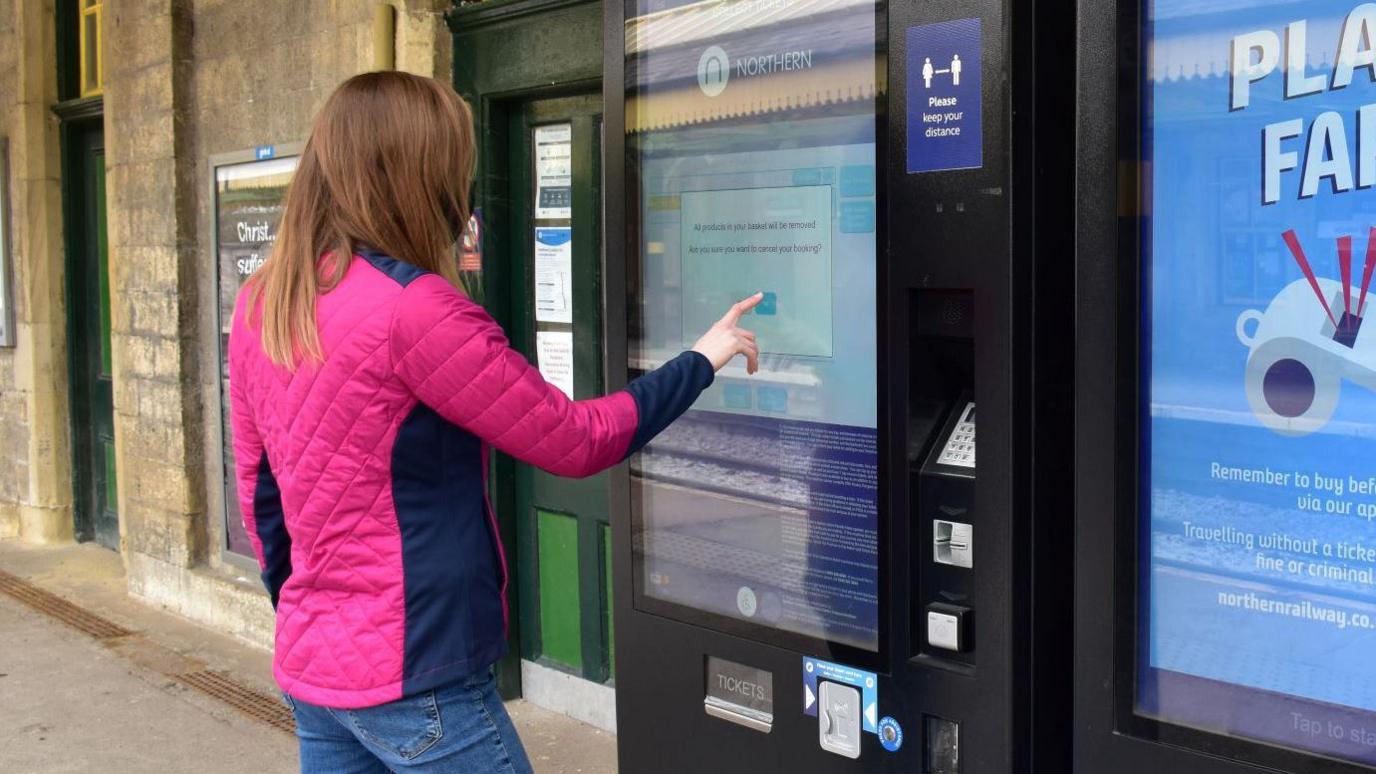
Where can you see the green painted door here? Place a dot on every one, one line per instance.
(88, 330)
(555, 240)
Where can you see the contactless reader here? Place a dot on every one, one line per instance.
(838, 719)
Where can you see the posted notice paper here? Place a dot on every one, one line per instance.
(554, 274)
(554, 355)
(554, 171)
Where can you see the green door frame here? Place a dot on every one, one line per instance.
(540, 499)
(81, 120)
(504, 60)
(87, 273)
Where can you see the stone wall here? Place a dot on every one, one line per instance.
(35, 479)
(197, 78)
(263, 80)
(14, 423)
(151, 242)
(184, 80)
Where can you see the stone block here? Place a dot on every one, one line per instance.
(137, 356)
(123, 12)
(324, 61)
(134, 264)
(141, 41)
(9, 520)
(14, 433)
(164, 444)
(139, 92)
(38, 256)
(148, 136)
(39, 525)
(160, 401)
(14, 480)
(149, 182)
(154, 485)
(153, 312)
(162, 534)
(222, 89)
(237, 605)
(45, 369)
(7, 358)
(140, 226)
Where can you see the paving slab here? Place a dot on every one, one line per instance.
(71, 703)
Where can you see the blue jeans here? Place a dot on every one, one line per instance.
(461, 727)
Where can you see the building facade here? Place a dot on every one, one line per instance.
(110, 386)
(147, 147)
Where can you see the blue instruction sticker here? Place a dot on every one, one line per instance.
(815, 669)
(263, 152)
(890, 734)
(945, 109)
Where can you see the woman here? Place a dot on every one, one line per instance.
(366, 390)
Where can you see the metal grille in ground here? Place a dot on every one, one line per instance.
(56, 607)
(255, 704)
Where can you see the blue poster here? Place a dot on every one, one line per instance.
(1259, 450)
(945, 113)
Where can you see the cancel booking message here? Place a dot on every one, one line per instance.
(773, 240)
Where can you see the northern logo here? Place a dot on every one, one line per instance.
(714, 70)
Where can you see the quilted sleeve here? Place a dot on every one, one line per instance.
(457, 361)
(260, 498)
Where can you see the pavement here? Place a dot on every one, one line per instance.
(70, 702)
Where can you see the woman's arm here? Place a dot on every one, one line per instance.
(457, 361)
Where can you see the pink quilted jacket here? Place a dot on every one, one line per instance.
(362, 478)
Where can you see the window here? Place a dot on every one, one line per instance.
(92, 50)
(250, 187)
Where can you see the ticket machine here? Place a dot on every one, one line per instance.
(857, 559)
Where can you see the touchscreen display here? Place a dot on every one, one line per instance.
(1258, 542)
(751, 138)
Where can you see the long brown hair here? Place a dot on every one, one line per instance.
(387, 166)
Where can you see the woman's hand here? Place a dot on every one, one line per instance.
(725, 339)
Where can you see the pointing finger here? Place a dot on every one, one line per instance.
(741, 307)
(752, 356)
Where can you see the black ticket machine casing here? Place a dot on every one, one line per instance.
(797, 584)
